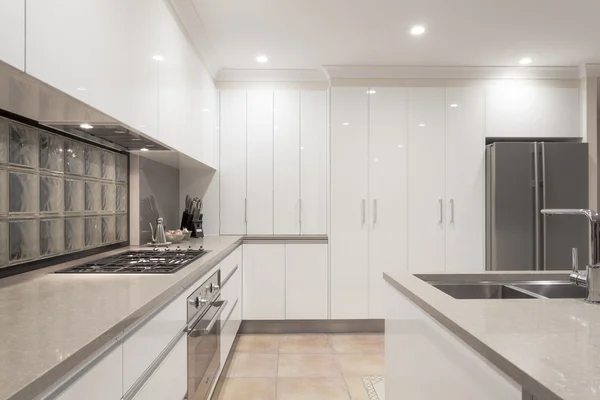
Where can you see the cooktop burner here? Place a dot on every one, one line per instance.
(139, 262)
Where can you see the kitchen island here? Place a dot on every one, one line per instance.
(438, 346)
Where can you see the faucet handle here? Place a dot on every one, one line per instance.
(575, 259)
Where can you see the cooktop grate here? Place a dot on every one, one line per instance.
(138, 262)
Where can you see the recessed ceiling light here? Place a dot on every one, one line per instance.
(85, 126)
(302, 148)
(205, 110)
(345, 123)
(417, 30)
(400, 146)
(421, 125)
(261, 59)
(158, 57)
(143, 149)
(371, 91)
(525, 61)
(81, 89)
(453, 105)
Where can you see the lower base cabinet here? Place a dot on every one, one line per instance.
(264, 281)
(423, 360)
(169, 381)
(306, 281)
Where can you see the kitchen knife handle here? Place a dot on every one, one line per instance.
(451, 211)
(374, 211)
(364, 211)
(441, 201)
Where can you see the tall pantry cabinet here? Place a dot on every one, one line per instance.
(407, 188)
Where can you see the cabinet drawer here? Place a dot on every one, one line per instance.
(229, 330)
(230, 262)
(231, 290)
(169, 381)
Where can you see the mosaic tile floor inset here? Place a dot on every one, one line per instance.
(375, 386)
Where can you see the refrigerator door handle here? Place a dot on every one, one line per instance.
(543, 217)
(441, 201)
(536, 208)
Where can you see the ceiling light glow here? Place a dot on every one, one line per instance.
(81, 89)
(85, 126)
(453, 105)
(421, 125)
(143, 149)
(417, 30)
(525, 61)
(158, 57)
(371, 91)
(345, 123)
(261, 59)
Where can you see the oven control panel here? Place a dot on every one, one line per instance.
(202, 295)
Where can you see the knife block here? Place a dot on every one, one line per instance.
(196, 227)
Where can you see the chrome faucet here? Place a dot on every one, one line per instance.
(589, 279)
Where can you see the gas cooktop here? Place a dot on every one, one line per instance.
(154, 261)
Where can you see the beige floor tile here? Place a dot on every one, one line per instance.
(244, 365)
(362, 364)
(356, 387)
(307, 365)
(305, 344)
(312, 389)
(361, 343)
(258, 344)
(248, 389)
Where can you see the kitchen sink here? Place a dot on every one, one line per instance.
(554, 289)
(482, 290)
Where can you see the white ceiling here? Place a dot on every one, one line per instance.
(307, 34)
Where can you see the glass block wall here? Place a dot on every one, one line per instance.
(57, 195)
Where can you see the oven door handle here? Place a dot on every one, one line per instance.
(194, 332)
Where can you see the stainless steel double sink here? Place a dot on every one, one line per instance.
(511, 290)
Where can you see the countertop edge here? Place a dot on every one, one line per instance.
(76, 365)
(527, 382)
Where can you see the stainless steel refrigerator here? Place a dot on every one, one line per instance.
(522, 179)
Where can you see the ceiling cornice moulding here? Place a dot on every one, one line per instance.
(272, 75)
(416, 72)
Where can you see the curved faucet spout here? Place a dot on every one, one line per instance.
(592, 215)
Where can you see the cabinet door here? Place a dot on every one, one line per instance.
(306, 281)
(260, 162)
(169, 381)
(313, 162)
(264, 281)
(465, 175)
(12, 33)
(349, 203)
(233, 162)
(387, 189)
(426, 179)
(286, 190)
(103, 381)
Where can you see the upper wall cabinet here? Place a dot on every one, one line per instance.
(519, 109)
(12, 32)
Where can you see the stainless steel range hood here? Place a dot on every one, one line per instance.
(28, 97)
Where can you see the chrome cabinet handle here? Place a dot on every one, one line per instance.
(374, 211)
(230, 275)
(246, 210)
(364, 211)
(451, 211)
(300, 210)
(441, 201)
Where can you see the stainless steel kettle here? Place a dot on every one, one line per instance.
(159, 237)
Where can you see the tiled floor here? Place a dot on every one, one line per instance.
(302, 367)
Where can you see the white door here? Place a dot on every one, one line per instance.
(286, 190)
(12, 33)
(465, 179)
(260, 163)
(426, 179)
(232, 171)
(387, 189)
(313, 161)
(306, 281)
(349, 209)
(263, 278)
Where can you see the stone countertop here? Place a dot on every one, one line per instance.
(550, 347)
(52, 323)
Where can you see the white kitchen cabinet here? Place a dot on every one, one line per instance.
(259, 163)
(426, 179)
(169, 381)
(349, 203)
(387, 189)
(103, 381)
(313, 162)
(263, 281)
(286, 188)
(425, 361)
(465, 179)
(232, 172)
(306, 281)
(231, 290)
(12, 33)
(525, 109)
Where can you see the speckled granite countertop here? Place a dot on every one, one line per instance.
(550, 347)
(51, 323)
